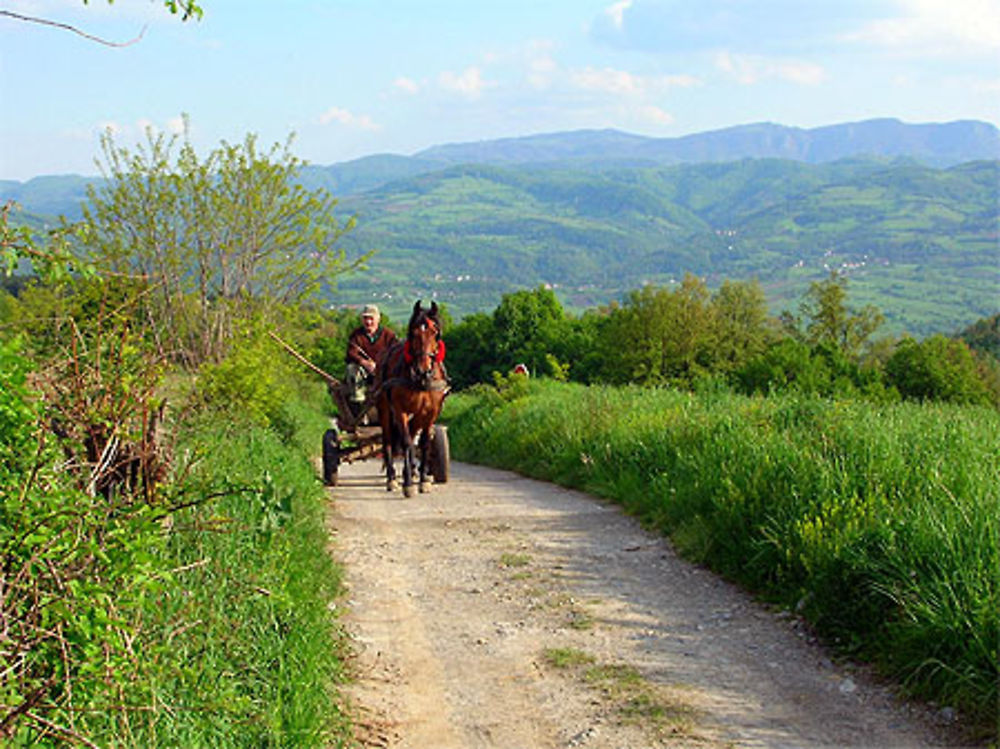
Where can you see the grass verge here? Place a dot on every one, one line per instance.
(879, 524)
(243, 647)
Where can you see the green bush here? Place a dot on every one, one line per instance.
(244, 648)
(17, 415)
(937, 368)
(254, 380)
(820, 369)
(199, 619)
(78, 571)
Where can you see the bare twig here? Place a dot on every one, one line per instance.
(68, 27)
(73, 735)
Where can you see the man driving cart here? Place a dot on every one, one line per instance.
(365, 346)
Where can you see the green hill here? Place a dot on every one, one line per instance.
(919, 242)
(597, 213)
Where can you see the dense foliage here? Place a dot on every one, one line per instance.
(687, 336)
(165, 579)
(189, 610)
(876, 523)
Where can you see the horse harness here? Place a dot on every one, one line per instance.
(410, 379)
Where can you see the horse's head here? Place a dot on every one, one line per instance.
(423, 345)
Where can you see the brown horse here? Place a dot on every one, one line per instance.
(413, 389)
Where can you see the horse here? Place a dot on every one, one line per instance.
(413, 386)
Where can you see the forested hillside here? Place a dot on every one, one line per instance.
(597, 213)
(919, 241)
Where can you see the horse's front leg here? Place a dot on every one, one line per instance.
(425, 452)
(390, 469)
(386, 420)
(408, 455)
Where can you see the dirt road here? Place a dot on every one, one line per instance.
(497, 611)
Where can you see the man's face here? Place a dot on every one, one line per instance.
(370, 323)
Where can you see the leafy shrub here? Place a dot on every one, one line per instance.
(17, 415)
(937, 368)
(253, 380)
(77, 571)
(254, 651)
(820, 369)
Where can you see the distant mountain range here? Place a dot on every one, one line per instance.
(934, 144)
(909, 210)
(940, 145)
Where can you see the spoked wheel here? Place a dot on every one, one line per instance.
(440, 454)
(331, 456)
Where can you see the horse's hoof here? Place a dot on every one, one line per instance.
(408, 491)
(391, 485)
(425, 486)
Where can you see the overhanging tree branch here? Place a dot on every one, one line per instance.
(69, 27)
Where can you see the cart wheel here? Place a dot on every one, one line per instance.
(441, 460)
(331, 456)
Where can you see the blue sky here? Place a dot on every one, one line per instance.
(357, 77)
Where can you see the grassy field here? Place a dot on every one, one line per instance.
(877, 524)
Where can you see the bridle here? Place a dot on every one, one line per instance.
(414, 357)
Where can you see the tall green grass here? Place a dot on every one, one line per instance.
(243, 648)
(880, 524)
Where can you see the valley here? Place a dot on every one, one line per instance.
(595, 214)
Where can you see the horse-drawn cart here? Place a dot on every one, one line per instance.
(356, 434)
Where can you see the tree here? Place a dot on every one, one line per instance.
(739, 311)
(660, 335)
(937, 368)
(526, 324)
(830, 321)
(983, 336)
(787, 365)
(213, 238)
(471, 353)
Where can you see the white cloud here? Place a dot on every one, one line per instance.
(622, 82)
(937, 27)
(752, 69)
(656, 115)
(541, 72)
(616, 13)
(802, 73)
(175, 125)
(679, 81)
(607, 80)
(406, 85)
(469, 83)
(348, 119)
(988, 86)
